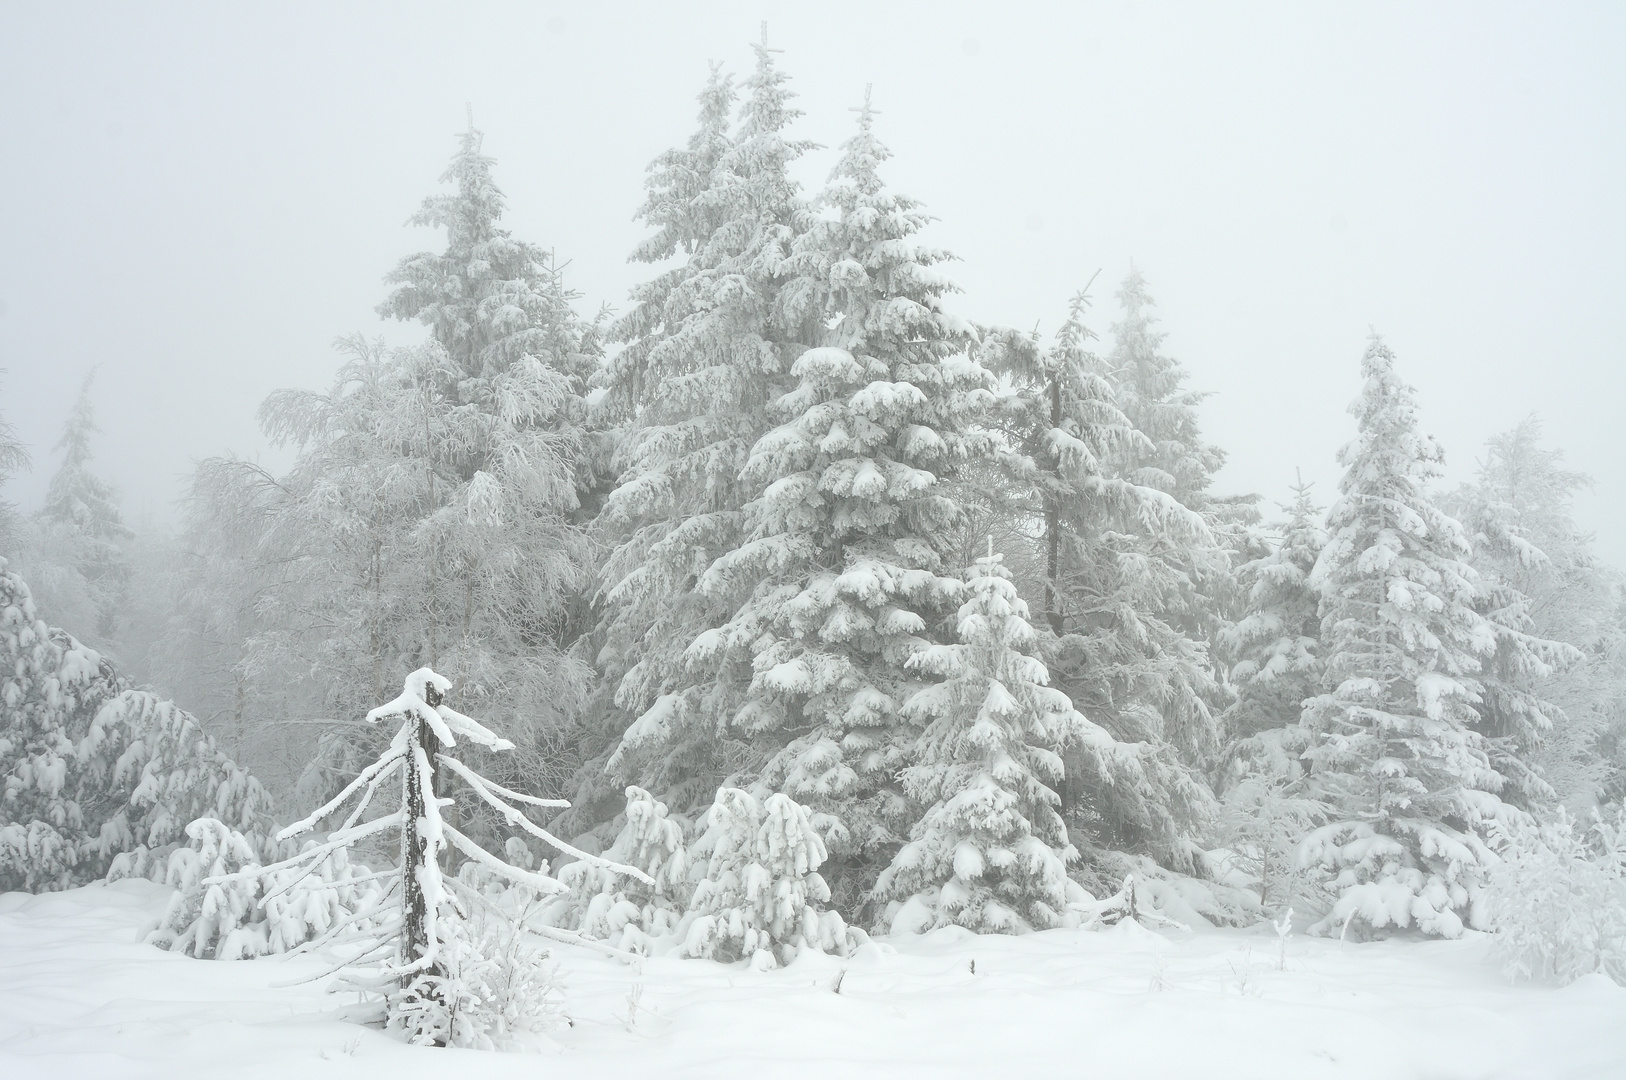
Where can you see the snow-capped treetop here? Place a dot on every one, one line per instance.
(489, 299)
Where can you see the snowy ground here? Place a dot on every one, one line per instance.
(81, 997)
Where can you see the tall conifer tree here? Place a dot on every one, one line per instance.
(1397, 749)
(842, 561)
(707, 350)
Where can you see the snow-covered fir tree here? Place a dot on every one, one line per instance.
(1539, 579)
(1277, 641)
(78, 557)
(91, 768)
(991, 851)
(1397, 748)
(842, 559)
(51, 688)
(1112, 551)
(431, 513)
(1150, 387)
(707, 350)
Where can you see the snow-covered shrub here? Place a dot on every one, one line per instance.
(495, 981)
(759, 889)
(623, 911)
(1161, 893)
(1267, 811)
(219, 913)
(1557, 901)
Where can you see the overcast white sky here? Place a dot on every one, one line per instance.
(201, 197)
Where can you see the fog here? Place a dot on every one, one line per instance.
(199, 198)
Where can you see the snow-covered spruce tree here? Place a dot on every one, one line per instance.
(842, 559)
(1268, 803)
(414, 943)
(707, 350)
(147, 769)
(991, 851)
(1540, 582)
(51, 687)
(626, 911)
(1112, 552)
(1278, 639)
(78, 562)
(758, 892)
(91, 768)
(1397, 750)
(1175, 458)
(1277, 646)
(413, 525)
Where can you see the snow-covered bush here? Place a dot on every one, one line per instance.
(759, 889)
(218, 913)
(1557, 901)
(495, 981)
(623, 911)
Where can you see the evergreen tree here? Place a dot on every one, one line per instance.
(431, 513)
(51, 688)
(991, 851)
(842, 559)
(91, 768)
(1540, 584)
(707, 350)
(1278, 639)
(1187, 587)
(1397, 750)
(493, 303)
(81, 554)
(1113, 553)
(759, 892)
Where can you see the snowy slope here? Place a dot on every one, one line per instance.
(81, 997)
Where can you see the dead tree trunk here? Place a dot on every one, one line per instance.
(415, 846)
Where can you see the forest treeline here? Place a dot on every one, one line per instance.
(790, 526)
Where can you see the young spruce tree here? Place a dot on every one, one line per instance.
(991, 851)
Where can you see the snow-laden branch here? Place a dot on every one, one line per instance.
(515, 817)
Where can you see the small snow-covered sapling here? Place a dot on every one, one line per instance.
(1284, 930)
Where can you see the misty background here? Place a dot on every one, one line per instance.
(200, 198)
